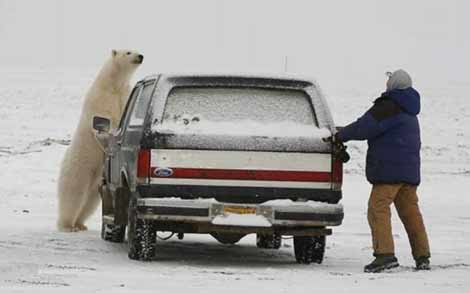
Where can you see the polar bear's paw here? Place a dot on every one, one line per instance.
(66, 228)
(80, 227)
(71, 228)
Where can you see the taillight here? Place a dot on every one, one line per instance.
(337, 175)
(143, 163)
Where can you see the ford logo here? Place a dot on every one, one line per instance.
(163, 172)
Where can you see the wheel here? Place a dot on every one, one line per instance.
(112, 232)
(309, 249)
(227, 238)
(141, 235)
(272, 241)
(142, 238)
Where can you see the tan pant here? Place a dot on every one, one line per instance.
(406, 202)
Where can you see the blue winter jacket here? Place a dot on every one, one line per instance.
(392, 132)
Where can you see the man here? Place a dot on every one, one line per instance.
(391, 129)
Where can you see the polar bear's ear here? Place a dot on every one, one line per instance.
(114, 53)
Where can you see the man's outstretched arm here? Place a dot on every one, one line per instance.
(373, 123)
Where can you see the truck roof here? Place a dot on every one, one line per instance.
(280, 79)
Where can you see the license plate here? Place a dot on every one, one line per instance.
(241, 210)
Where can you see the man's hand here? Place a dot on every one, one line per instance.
(339, 149)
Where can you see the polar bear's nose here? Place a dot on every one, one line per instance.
(141, 57)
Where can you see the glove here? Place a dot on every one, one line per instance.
(339, 149)
(341, 154)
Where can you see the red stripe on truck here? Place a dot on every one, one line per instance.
(300, 176)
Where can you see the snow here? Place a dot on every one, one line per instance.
(237, 104)
(248, 143)
(347, 45)
(319, 207)
(178, 202)
(242, 128)
(36, 121)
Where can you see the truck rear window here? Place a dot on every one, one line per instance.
(254, 111)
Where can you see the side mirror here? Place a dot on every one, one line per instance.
(101, 124)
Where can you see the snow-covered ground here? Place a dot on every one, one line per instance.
(38, 113)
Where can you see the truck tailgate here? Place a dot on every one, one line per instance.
(241, 168)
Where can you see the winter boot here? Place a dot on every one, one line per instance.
(422, 263)
(381, 263)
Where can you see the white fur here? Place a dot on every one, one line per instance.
(82, 165)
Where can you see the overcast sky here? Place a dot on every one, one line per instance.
(339, 42)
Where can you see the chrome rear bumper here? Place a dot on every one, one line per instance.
(276, 213)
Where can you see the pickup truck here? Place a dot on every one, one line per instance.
(222, 155)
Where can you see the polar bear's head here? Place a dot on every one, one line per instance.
(127, 59)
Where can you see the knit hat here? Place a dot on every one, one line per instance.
(399, 79)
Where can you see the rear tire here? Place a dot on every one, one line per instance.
(113, 233)
(309, 249)
(141, 235)
(272, 241)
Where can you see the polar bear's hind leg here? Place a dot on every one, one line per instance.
(92, 199)
(72, 186)
(69, 201)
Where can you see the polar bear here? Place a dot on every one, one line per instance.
(81, 168)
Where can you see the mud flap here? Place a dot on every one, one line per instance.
(121, 205)
(106, 200)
